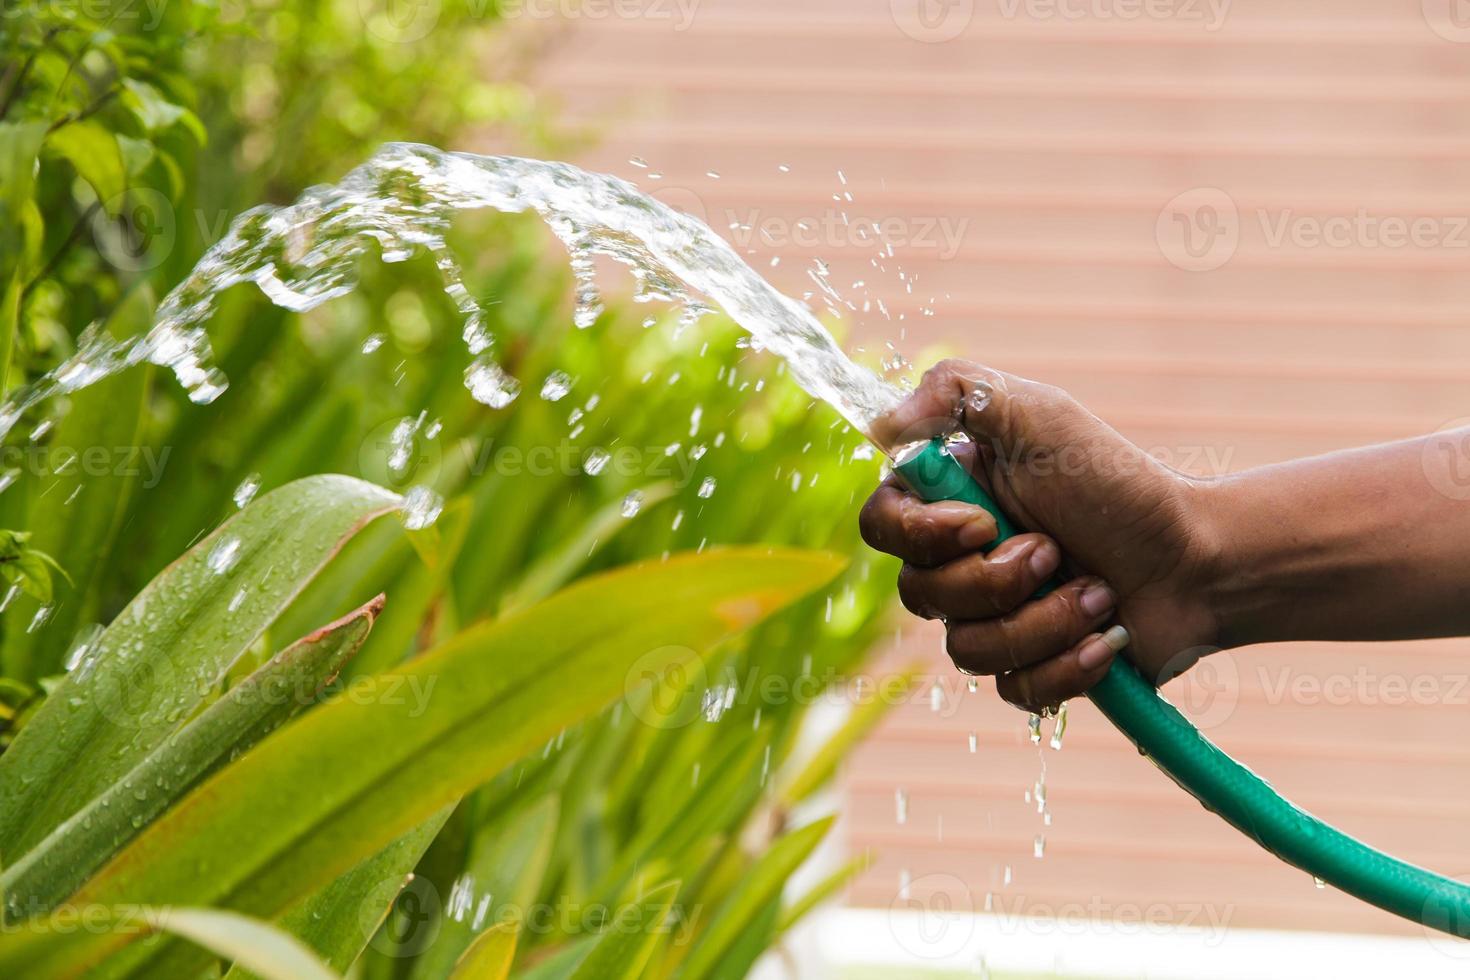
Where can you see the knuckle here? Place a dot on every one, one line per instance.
(912, 591)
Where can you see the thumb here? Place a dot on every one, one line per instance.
(994, 407)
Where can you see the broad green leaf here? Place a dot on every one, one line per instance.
(342, 781)
(754, 940)
(10, 290)
(761, 886)
(338, 920)
(266, 950)
(95, 461)
(92, 149)
(153, 666)
(489, 956)
(628, 941)
(280, 689)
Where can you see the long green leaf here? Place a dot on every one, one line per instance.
(489, 956)
(96, 461)
(759, 888)
(266, 950)
(627, 943)
(277, 691)
(339, 920)
(153, 666)
(345, 779)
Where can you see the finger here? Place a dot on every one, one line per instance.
(895, 521)
(1067, 676)
(977, 586)
(1004, 409)
(1037, 631)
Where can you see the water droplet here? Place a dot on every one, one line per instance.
(556, 386)
(223, 556)
(632, 503)
(490, 385)
(373, 342)
(707, 488)
(901, 806)
(1061, 728)
(596, 461)
(936, 697)
(1038, 846)
(864, 451)
(247, 490)
(1033, 728)
(974, 742)
(421, 507)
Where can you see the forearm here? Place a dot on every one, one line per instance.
(1359, 545)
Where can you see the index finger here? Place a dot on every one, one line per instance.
(928, 535)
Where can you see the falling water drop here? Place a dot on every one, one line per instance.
(632, 503)
(372, 342)
(421, 507)
(556, 386)
(901, 806)
(1033, 728)
(489, 384)
(223, 556)
(707, 488)
(247, 490)
(1061, 728)
(974, 742)
(596, 461)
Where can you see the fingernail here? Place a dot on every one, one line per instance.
(1097, 599)
(1094, 652)
(1044, 560)
(977, 532)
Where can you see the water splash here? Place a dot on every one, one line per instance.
(402, 201)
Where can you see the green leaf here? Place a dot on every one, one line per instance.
(343, 780)
(19, 144)
(266, 950)
(153, 666)
(506, 864)
(489, 956)
(279, 690)
(628, 941)
(94, 464)
(338, 920)
(92, 149)
(751, 897)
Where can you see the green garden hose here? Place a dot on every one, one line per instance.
(1224, 786)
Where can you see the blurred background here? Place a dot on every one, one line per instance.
(1238, 232)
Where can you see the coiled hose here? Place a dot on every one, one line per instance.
(1224, 786)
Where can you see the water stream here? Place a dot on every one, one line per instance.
(402, 201)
